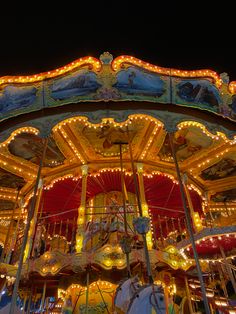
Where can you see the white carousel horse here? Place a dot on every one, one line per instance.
(148, 299)
(102, 228)
(124, 294)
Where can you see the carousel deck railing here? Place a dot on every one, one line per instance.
(166, 231)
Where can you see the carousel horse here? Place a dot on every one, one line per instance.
(97, 233)
(124, 294)
(148, 299)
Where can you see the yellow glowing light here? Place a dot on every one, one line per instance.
(121, 61)
(108, 262)
(82, 62)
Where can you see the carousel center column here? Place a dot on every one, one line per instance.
(81, 210)
(144, 204)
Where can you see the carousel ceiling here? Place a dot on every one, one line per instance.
(208, 159)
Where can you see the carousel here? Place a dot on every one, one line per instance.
(118, 190)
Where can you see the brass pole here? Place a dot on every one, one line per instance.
(59, 235)
(29, 302)
(27, 227)
(6, 244)
(189, 227)
(87, 291)
(167, 227)
(222, 280)
(149, 272)
(161, 232)
(102, 298)
(66, 235)
(33, 226)
(14, 241)
(43, 297)
(81, 210)
(180, 229)
(25, 298)
(229, 271)
(46, 236)
(54, 229)
(124, 206)
(188, 295)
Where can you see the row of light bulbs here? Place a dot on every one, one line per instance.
(120, 61)
(116, 65)
(95, 63)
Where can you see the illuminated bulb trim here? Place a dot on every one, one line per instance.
(199, 125)
(120, 61)
(95, 63)
(30, 130)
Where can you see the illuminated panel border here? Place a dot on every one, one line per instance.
(119, 62)
(81, 62)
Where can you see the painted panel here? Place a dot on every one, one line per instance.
(80, 83)
(198, 93)
(10, 180)
(30, 147)
(5, 204)
(224, 168)
(187, 142)
(225, 196)
(104, 140)
(134, 81)
(14, 98)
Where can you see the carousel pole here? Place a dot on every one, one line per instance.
(14, 240)
(27, 227)
(59, 235)
(66, 235)
(167, 226)
(161, 231)
(189, 226)
(81, 210)
(6, 244)
(180, 229)
(87, 291)
(29, 303)
(43, 297)
(197, 224)
(188, 295)
(103, 300)
(144, 205)
(222, 280)
(124, 207)
(46, 236)
(78, 296)
(228, 269)
(24, 302)
(149, 272)
(33, 225)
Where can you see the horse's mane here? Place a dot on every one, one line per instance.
(135, 295)
(121, 283)
(119, 287)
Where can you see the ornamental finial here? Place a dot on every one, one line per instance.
(106, 57)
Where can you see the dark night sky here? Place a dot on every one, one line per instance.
(180, 34)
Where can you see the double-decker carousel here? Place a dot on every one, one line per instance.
(117, 189)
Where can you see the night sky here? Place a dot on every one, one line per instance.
(180, 34)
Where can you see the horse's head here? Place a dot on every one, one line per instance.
(134, 284)
(157, 299)
(147, 298)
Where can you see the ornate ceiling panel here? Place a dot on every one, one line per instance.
(30, 147)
